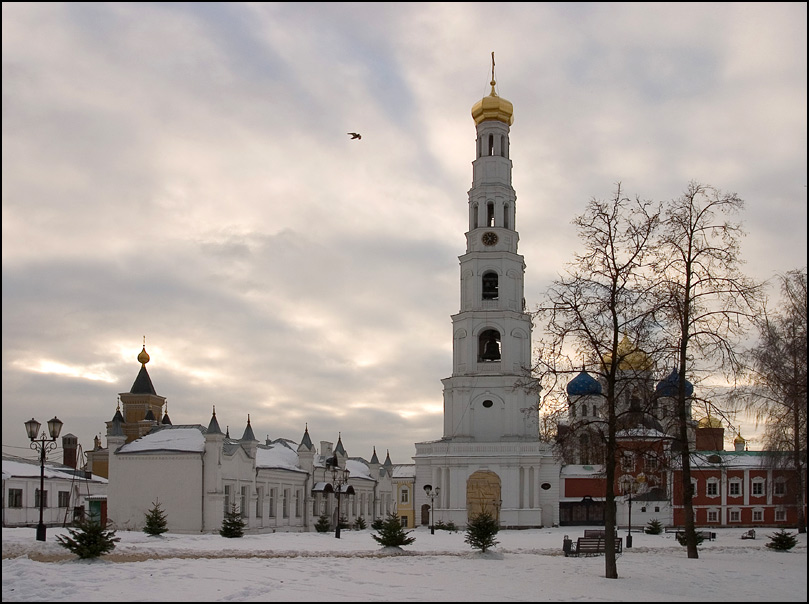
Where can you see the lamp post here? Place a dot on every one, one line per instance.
(43, 445)
(339, 478)
(631, 485)
(432, 494)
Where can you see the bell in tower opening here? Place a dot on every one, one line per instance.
(490, 345)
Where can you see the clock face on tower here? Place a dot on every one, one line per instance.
(489, 238)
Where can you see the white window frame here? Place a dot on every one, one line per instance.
(713, 515)
(758, 514)
(759, 484)
(713, 481)
(779, 488)
(780, 515)
(737, 512)
(735, 484)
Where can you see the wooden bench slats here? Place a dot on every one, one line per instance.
(593, 546)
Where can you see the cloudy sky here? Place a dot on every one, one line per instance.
(182, 172)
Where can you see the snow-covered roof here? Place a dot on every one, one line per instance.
(583, 470)
(14, 467)
(188, 439)
(404, 470)
(277, 455)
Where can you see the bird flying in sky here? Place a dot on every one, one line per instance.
(354, 135)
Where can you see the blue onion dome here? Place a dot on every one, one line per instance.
(583, 385)
(668, 387)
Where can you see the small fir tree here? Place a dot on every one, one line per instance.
(782, 541)
(89, 539)
(232, 524)
(654, 527)
(681, 538)
(377, 524)
(392, 533)
(343, 522)
(322, 525)
(359, 523)
(156, 523)
(481, 531)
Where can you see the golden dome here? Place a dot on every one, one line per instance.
(143, 357)
(632, 359)
(710, 422)
(493, 107)
(739, 440)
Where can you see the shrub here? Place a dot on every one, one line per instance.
(392, 533)
(782, 541)
(322, 525)
(359, 523)
(481, 531)
(654, 527)
(681, 538)
(89, 539)
(156, 523)
(377, 524)
(232, 524)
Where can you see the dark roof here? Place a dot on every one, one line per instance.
(143, 383)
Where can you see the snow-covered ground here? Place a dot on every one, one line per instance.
(526, 565)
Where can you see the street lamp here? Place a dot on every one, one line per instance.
(630, 486)
(44, 445)
(432, 494)
(339, 480)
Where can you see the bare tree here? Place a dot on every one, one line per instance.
(708, 303)
(777, 375)
(589, 311)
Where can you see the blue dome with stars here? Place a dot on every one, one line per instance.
(583, 385)
(668, 387)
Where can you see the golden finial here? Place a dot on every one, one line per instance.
(143, 357)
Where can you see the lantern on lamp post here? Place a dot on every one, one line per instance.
(339, 486)
(432, 494)
(43, 445)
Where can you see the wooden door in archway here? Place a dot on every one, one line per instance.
(483, 494)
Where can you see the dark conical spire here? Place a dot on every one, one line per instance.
(374, 458)
(306, 441)
(388, 463)
(248, 431)
(339, 448)
(213, 426)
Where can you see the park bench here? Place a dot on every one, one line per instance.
(597, 533)
(589, 546)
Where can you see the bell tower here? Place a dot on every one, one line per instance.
(491, 395)
(490, 457)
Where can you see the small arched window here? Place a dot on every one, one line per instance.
(491, 144)
(490, 214)
(506, 221)
(475, 216)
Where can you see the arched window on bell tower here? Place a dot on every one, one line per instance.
(506, 221)
(491, 144)
(503, 146)
(489, 345)
(490, 214)
(475, 216)
(490, 285)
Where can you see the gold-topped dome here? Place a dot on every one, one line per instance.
(493, 107)
(739, 440)
(710, 422)
(143, 356)
(632, 359)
